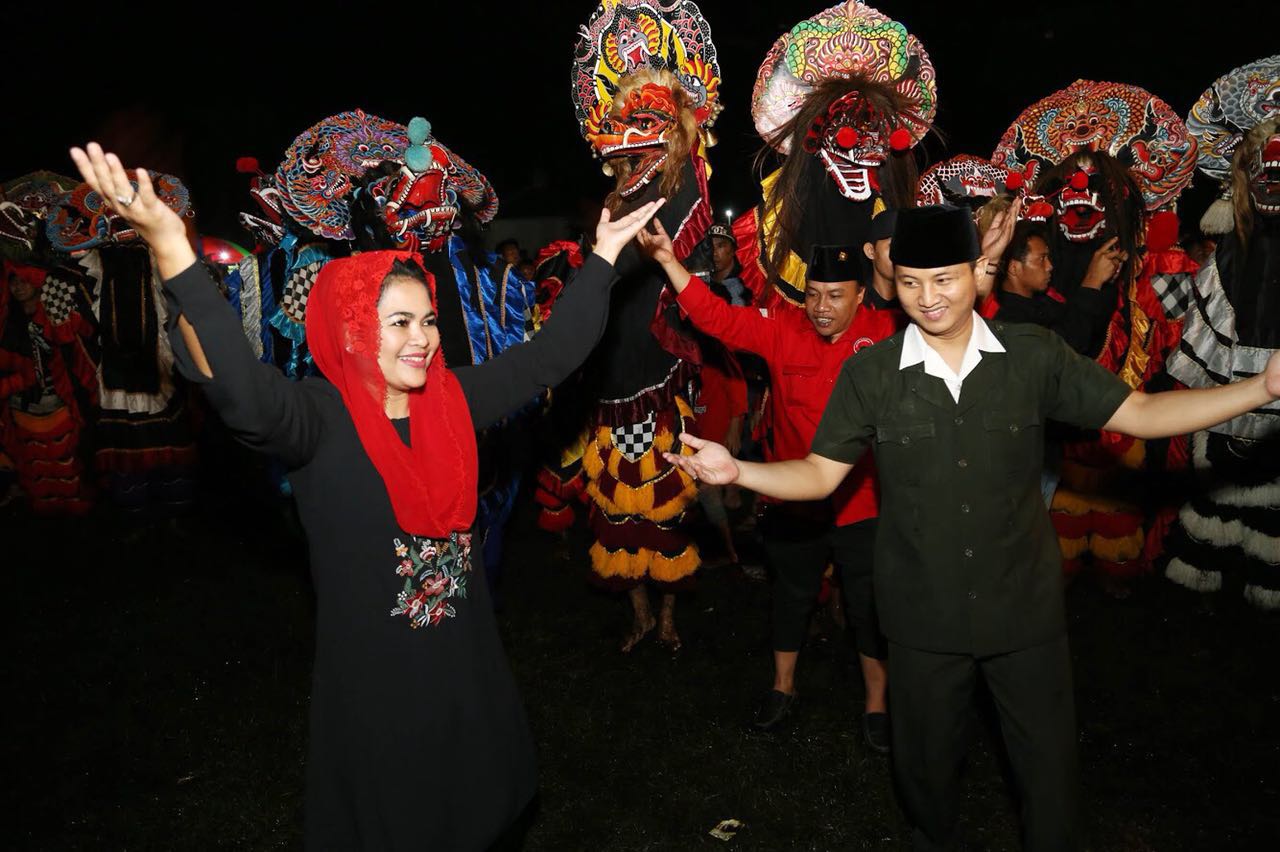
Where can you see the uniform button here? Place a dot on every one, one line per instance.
(968, 552)
(959, 421)
(973, 596)
(964, 507)
(1013, 427)
(906, 439)
(963, 463)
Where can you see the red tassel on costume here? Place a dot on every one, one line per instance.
(556, 520)
(1014, 181)
(248, 166)
(1079, 180)
(570, 247)
(900, 139)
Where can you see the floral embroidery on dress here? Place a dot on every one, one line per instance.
(435, 570)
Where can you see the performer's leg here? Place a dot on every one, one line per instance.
(1033, 693)
(875, 677)
(853, 546)
(642, 617)
(932, 696)
(667, 634)
(798, 557)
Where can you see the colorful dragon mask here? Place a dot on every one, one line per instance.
(1141, 131)
(852, 137)
(638, 66)
(966, 180)
(848, 40)
(419, 188)
(1263, 167)
(80, 221)
(1081, 215)
(24, 202)
(1237, 102)
(641, 126)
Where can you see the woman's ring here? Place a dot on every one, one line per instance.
(125, 202)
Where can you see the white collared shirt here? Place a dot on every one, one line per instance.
(915, 350)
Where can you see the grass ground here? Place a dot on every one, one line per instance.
(158, 691)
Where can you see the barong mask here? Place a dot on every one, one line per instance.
(637, 131)
(25, 203)
(1081, 216)
(421, 202)
(414, 189)
(1141, 131)
(646, 89)
(1235, 109)
(1237, 102)
(80, 222)
(852, 138)
(1264, 176)
(967, 181)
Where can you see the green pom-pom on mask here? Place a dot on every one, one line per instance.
(418, 157)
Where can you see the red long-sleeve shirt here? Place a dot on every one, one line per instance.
(803, 367)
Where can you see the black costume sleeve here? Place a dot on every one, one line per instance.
(497, 387)
(262, 408)
(1084, 322)
(1081, 321)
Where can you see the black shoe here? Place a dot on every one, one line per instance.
(775, 707)
(875, 730)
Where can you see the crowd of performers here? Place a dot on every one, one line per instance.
(108, 326)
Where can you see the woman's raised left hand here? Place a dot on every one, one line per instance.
(612, 236)
(154, 220)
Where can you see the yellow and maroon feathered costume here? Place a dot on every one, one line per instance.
(646, 91)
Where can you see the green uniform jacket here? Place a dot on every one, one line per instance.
(966, 558)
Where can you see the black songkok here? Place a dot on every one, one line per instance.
(934, 236)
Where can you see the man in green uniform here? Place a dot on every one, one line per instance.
(968, 573)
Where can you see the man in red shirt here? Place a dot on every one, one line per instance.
(804, 353)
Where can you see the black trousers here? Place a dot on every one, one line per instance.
(932, 695)
(798, 553)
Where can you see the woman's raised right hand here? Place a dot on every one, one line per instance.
(154, 221)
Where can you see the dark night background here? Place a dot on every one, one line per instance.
(158, 675)
(191, 90)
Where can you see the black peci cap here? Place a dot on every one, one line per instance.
(882, 226)
(834, 263)
(934, 236)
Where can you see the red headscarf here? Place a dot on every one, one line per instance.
(432, 484)
(33, 275)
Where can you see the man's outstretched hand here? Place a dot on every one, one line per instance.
(712, 463)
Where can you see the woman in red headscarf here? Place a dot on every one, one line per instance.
(418, 736)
